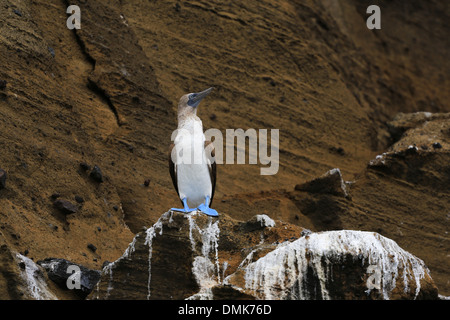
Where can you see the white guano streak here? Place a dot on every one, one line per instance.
(282, 272)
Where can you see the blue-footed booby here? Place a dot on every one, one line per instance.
(191, 163)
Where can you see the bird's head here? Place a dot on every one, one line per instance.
(189, 102)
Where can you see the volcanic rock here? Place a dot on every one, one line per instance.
(188, 257)
(179, 258)
(2, 179)
(258, 222)
(336, 265)
(21, 278)
(65, 206)
(59, 270)
(96, 174)
(329, 183)
(84, 166)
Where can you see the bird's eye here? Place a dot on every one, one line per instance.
(193, 100)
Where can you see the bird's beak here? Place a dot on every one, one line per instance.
(200, 95)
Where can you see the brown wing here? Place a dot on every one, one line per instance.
(211, 152)
(173, 170)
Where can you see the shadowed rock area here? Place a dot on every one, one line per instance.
(86, 118)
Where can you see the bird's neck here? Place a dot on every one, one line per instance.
(190, 133)
(190, 123)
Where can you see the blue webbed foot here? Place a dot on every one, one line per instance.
(186, 208)
(204, 208)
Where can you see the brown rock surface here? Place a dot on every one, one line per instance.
(22, 279)
(197, 257)
(184, 256)
(106, 95)
(343, 264)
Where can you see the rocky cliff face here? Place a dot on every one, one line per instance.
(86, 117)
(197, 257)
